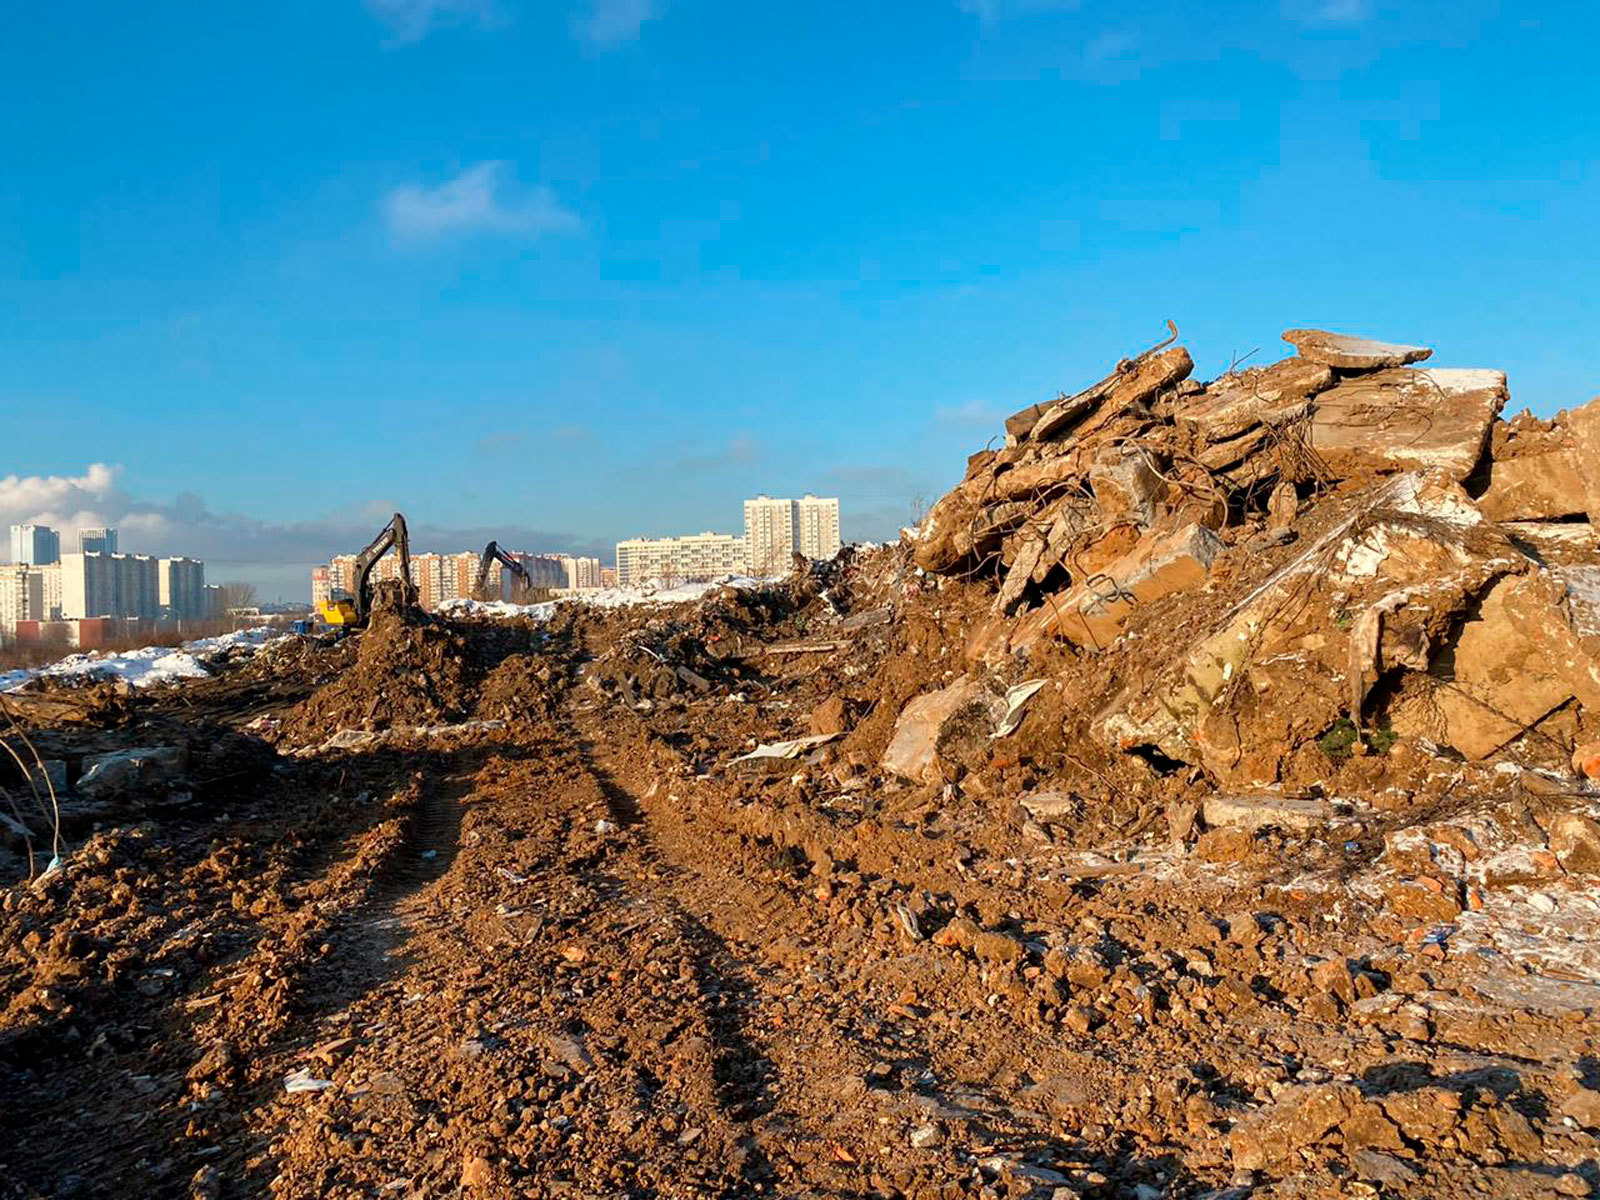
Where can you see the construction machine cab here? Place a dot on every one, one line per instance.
(352, 611)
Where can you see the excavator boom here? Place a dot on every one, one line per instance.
(522, 588)
(355, 609)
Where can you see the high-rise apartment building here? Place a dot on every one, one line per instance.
(321, 588)
(97, 541)
(581, 573)
(50, 588)
(769, 535)
(181, 588)
(110, 585)
(21, 596)
(681, 559)
(817, 526)
(35, 545)
(775, 530)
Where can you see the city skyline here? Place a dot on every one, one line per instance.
(44, 583)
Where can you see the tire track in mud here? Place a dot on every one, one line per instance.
(823, 1040)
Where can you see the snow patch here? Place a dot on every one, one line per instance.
(650, 593)
(148, 666)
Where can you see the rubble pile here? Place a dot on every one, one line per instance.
(1203, 802)
(410, 669)
(1437, 586)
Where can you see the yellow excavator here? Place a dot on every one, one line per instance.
(523, 590)
(351, 610)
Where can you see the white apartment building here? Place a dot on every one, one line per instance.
(110, 585)
(35, 545)
(680, 559)
(50, 584)
(769, 535)
(774, 530)
(21, 596)
(581, 573)
(817, 526)
(181, 588)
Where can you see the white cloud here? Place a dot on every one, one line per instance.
(412, 20)
(988, 11)
(613, 22)
(482, 199)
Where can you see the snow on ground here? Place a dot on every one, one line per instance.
(148, 666)
(649, 593)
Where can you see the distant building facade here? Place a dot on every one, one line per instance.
(321, 588)
(181, 588)
(817, 526)
(97, 541)
(680, 559)
(775, 530)
(581, 573)
(110, 585)
(35, 545)
(21, 597)
(769, 535)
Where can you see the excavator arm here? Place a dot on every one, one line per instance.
(355, 610)
(493, 554)
(523, 590)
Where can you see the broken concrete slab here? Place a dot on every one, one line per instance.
(1351, 353)
(1406, 419)
(1583, 427)
(1284, 663)
(1139, 385)
(1554, 543)
(1535, 487)
(1516, 661)
(1264, 810)
(125, 770)
(1127, 485)
(1051, 805)
(1239, 402)
(1575, 841)
(1094, 613)
(935, 724)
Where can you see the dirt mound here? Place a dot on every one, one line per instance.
(410, 669)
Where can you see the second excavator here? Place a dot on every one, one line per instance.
(523, 589)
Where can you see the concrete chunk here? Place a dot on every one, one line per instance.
(1404, 419)
(1138, 386)
(1094, 612)
(1261, 811)
(1518, 660)
(1351, 353)
(1533, 487)
(937, 722)
(1240, 402)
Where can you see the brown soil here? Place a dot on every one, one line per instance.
(580, 952)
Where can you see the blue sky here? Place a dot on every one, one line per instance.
(569, 271)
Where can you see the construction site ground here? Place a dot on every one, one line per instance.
(527, 928)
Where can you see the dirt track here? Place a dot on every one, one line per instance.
(576, 956)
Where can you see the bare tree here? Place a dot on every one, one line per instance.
(239, 594)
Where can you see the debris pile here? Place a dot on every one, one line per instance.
(1205, 802)
(1437, 590)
